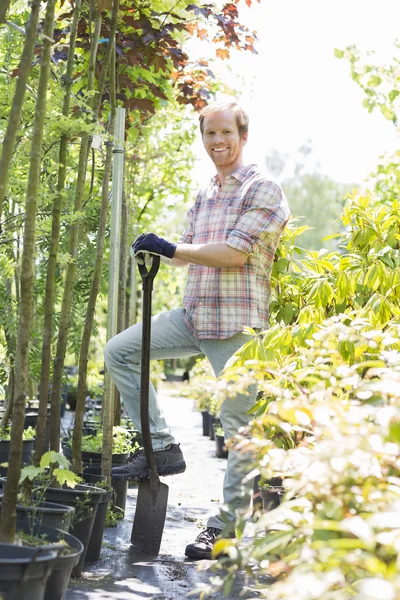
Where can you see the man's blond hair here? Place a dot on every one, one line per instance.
(242, 118)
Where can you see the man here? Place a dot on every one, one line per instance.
(229, 243)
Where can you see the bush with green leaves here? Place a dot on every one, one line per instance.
(122, 441)
(202, 384)
(337, 397)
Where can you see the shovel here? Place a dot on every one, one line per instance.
(152, 499)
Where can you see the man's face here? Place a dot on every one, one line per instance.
(222, 141)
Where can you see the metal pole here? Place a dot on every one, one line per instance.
(113, 278)
(133, 293)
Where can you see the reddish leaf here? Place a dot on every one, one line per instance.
(202, 34)
(140, 104)
(132, 57)
(230, 10)
(159, 62)
(222, 53)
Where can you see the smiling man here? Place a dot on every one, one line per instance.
(229, 243)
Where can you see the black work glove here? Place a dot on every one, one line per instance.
(150, 243)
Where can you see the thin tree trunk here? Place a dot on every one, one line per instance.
(24, 70)
(8, 515)
(73, 251)
(121, 296)
(40, 444)
(3, 10)
(87, 331)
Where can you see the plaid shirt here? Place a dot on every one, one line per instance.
(248, 213)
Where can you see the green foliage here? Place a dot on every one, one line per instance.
(47, 470)
(28, 434)
(202, 385)
(122, 442)
(380, 83)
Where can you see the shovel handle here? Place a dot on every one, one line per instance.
(148, 276)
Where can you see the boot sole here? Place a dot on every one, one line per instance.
(163, 471)
(198, 554)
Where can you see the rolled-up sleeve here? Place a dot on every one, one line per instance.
(187, 235)
(265, 214)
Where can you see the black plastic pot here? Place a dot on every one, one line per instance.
(27, 450)
(92, 458)
(61, 572)
(24, 572)
(96, 539)
(271, 497)
(50, 514)
(120, 486)
(213, 421)
(85, 500)
(221, 451)
(206, 422)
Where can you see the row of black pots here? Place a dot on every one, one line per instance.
(50, 521)
(210, 423)
(92, 464)
(86, 500)
(89, 503)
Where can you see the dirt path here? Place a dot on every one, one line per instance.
(193, 497)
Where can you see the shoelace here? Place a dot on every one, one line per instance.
(208, 535)
(138, 454)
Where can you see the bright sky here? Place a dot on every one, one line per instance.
(295, 90)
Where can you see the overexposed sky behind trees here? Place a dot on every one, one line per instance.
(295, 90)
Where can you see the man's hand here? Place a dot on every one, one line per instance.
(152, 244)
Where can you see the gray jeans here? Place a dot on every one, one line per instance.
(171, 338)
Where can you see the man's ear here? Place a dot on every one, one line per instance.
(245, 138)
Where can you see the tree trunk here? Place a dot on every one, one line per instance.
(121, 296)
(24, 70)
(8, 515)
(84, 350)
(73, 251)
(40, 444)
(3, 10)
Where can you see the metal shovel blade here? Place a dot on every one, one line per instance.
(151, 509)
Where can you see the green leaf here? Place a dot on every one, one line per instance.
(338, 53)
(374, 81)
(30, 473)
(393, 95)
(51, 458)
(66, 476)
